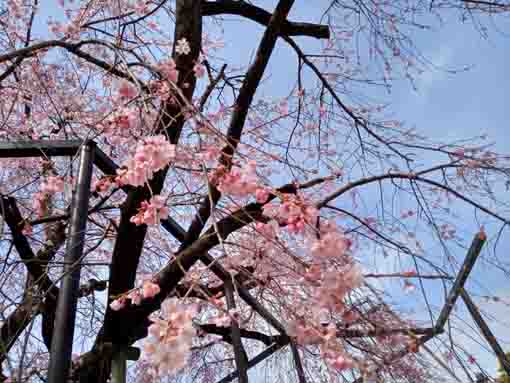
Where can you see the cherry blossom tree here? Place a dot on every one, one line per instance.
(227, 188)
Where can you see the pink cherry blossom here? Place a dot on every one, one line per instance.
(240, 182)
(304, 334)
(168, 346)
(27, 229)
(262, 194)
(101, 185)
(150, 289)
(155, 153)
(332, 244)
(151, 213)
(341, 363)
(199, 70)
(168, 69)
(118, 304)
(127, 90)
(293, 211)
(135, 296)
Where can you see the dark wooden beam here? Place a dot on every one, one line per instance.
(469, 262)
(485, 330)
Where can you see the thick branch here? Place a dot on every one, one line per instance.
(350, 333)
(261, 16)
(225, 333)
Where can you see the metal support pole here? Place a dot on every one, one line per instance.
(487, 333)
(469, 262)
(239, 353)
(62, 342)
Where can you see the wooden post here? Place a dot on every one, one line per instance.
(485, 330)
(297, 363)
(239, 352)
(119, 363)
(469, 262)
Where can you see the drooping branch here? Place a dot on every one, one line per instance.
(261, 16)
(352, 333)
(358, 121)
(455, 291)
(415, 177)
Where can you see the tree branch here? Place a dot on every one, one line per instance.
(225, 332)
(261, 16)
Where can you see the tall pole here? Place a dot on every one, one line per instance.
(119, 362)
(62, 342)
(469, 262)
(486, 331)
(239, 353)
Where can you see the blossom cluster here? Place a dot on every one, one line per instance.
(168, 345)
(152, 212)
(225, 317)
(330, 244)
(335, 285)
(148, 290)
(119, 125)
(168, 70)
(127, 91)
(51, 185)
(293, 211)
(239, 182)
(154, 154)
(327, 288)
(331, 351)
